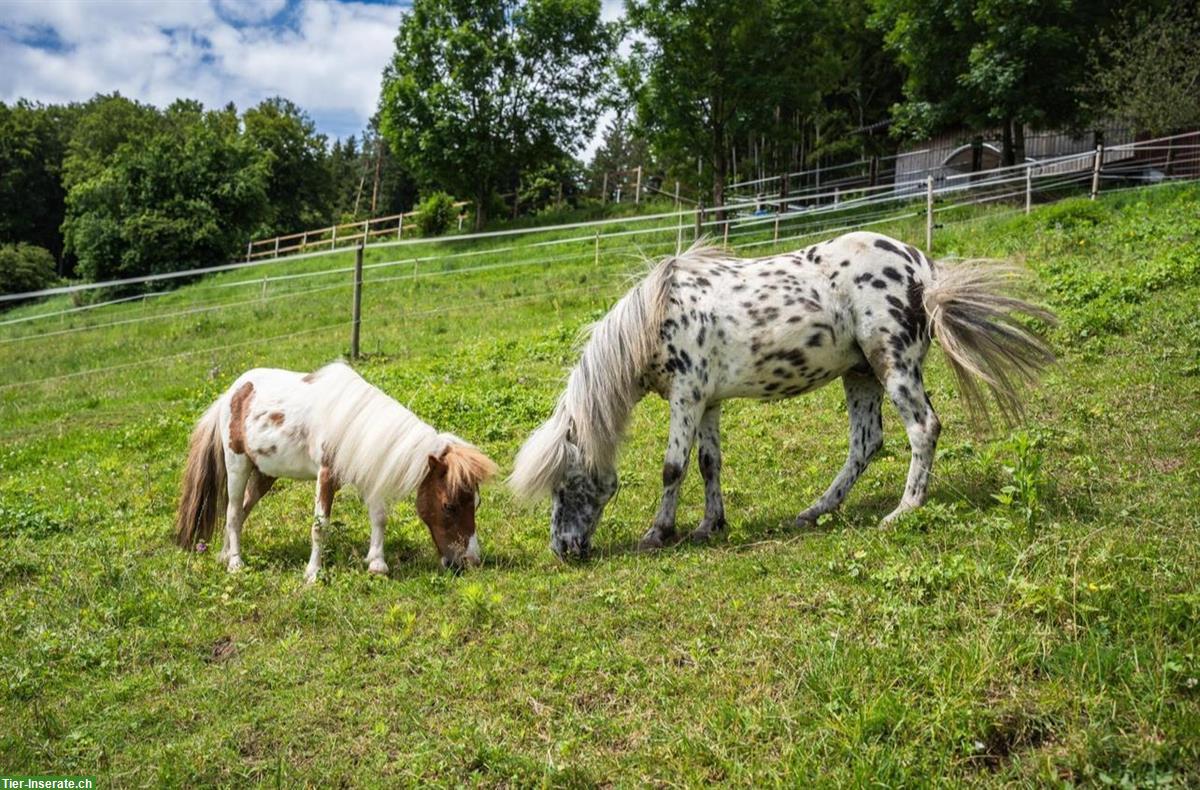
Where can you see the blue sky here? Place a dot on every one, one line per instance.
(325, 55)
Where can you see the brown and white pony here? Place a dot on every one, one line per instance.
(333, 427)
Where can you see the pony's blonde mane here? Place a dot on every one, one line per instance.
(467, 468)
(588, 422)
(377, 445)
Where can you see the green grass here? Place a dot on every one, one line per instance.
(1037, 622)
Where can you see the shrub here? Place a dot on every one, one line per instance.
(1074, 213)
(24, 267)
(435, 214)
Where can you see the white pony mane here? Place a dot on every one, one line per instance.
(588, 422)
(375, 444)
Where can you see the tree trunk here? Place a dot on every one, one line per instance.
(720, 167)
(1006, 154)
(1018, 142)
(482, 193)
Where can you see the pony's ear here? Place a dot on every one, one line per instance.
(436, 464)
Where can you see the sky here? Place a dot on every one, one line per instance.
(325, 55)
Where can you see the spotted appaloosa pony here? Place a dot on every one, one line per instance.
(704, 327)
(333, 427)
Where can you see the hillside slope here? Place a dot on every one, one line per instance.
(1038, 621)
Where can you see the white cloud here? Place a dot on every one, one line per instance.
(326, 56)
(249, 11)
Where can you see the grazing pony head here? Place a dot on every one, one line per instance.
(552, 463)
(447, 499)
(572, 457)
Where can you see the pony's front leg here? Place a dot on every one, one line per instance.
(379, 517)
(326, 488)
(685, 418)
(710, 470)
(238, 471)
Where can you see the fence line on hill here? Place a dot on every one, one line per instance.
(788, 224)
(978, 181)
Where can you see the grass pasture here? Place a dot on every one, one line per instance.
(1037, 623)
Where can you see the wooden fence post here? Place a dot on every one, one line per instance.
(597, 259)
(929, 214)
(356, 315)
(699, 217)
(1096, 170)
(249, 249)
(637, 189)
(1028, 188)
(400, 228)
(604, 189)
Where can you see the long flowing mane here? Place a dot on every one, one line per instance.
(589, 419)
(380, 447)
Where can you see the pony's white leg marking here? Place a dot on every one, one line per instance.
(864, 404)
(922, 426)
(685, 418)
(710, 469)
(326, 487)
(238, 469)
(379, 518)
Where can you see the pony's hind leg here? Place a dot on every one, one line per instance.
(326, 487)
(238, 470)
(257, 487)
(864, 402)
(710, 469)
(379, 518)
(685, 418)
(922, 425)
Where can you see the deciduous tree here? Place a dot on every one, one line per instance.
(479, 91)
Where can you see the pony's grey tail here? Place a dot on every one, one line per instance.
(975, 317)
(590, 417)
(203, 496)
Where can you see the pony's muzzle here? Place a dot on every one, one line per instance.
(468, 558)
(568, 549)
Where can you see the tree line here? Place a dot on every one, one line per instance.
(492, 101)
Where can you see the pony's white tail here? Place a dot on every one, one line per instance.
(203, 496)
(589, 419)
(974, 316)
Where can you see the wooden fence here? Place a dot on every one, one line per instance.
(345, 235)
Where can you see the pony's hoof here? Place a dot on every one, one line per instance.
(706, 532)
(235, 565)
(310, 576)
(653, 541)
(378, 567)
(806, 521)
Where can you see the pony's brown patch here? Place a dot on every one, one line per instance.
(239, 404)
(276, 417)
(326, 487)
(309, 378)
